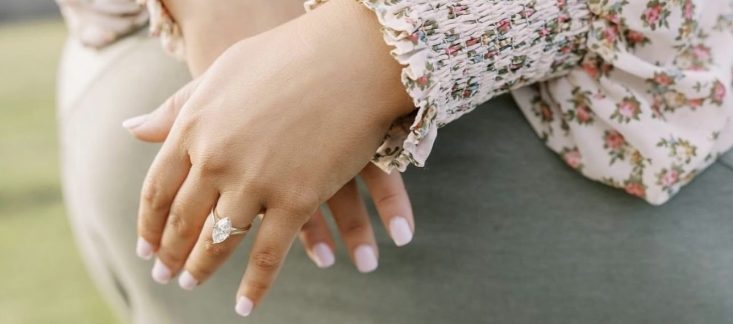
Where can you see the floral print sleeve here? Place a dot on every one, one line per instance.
(633, 94)
(459, 54)
(648, 109)
(629, 93)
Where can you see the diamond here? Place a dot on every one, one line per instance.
(222, 229)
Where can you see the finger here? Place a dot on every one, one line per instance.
(164, 178)
(188, 212)
(207, 256)
(352, 220)
(274, 238)
(392, 201)
(156, 126)
(317, 240)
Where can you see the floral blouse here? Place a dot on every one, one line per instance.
(633, 94)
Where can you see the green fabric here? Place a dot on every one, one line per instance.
(505, 233)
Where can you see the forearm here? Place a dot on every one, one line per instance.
(348, 39)
(209, 28)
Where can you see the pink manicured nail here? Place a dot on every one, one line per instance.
(187, 281)
(322, 255)
(161, 274)
(366, 259)
(244, 306)
(400, 230)
(132, 123)
(144, 249)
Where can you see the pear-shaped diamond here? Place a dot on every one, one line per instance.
(222, 229)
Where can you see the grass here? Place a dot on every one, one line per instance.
(43, 279)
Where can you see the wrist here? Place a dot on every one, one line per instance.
(348, 38)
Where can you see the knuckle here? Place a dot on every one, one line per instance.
(180, 226)
(209, 165)
(153, 196)
(355, 228)
(215, 251)
(148, 233)
(389, 198)
(171, 257)
(266, 260)
(301, 202)
(257, 287)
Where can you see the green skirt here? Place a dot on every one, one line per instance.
(505, 232)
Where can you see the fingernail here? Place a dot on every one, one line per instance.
(144, 249)
(366, 259)
(322, 255)
(244, 306)
(161, 273)
(132, 123)
(400, 230)
(187, 281)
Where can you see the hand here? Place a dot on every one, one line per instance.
(99, 23)
(387, 192)
(277, 125)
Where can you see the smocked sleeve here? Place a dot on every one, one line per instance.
(633, 94)
(459, 54)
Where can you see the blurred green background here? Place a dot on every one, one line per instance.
(43, 278)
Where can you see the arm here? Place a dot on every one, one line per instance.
(204, 42)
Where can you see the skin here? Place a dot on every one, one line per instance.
(386, 190)
(258, 153)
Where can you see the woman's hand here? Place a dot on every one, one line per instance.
(386, 190)
(277, 125)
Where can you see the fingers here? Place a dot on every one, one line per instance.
(191, 205)
(154, 127)
(317, 240)
(164, 178)
(274, 238)
(352, 220)
(207, 256)
(392, 201)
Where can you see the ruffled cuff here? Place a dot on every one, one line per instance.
(164, 27)
(459, 54)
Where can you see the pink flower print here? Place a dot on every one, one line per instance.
(583, 114)
(545, 112)
(452, 50)
(635, 37)
(472, 41)
(528, 12)
(626, 110)
(663, 79)
(635, 188)
(688, 10)
(423, 81)
(694, 103)
(572, 158)
(668, 178)
(414, 37)
(610, 34)
(504, 25)
(718, 94)
(652, 14)
(591, 68)
(614, 140)
(701, 52)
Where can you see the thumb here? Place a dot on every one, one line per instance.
(155, 126)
